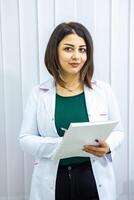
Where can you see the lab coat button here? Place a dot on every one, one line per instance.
(99, 185)
(69, 167)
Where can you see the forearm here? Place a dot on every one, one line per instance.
(39, 146)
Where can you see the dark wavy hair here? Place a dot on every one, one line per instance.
(51, 55)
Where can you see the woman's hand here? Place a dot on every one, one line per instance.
(99, 150)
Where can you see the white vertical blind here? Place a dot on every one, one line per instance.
(130, 135)
(102, 39)
(25, 27)
(46, 23)
(119, 82)
(11, 99)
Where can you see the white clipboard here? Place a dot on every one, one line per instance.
(80, 134)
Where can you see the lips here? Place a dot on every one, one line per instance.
(75, 64)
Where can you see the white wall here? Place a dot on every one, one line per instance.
(25, 27)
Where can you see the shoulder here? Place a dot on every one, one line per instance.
(101, 85)
(45, 86)
(42, 88)
(104, 89)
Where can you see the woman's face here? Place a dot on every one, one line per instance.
(72, 53)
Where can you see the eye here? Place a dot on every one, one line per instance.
(82, 50)
(68, 49)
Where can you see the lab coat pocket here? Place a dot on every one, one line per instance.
(42, 177)
(98, 117)
(103, 116)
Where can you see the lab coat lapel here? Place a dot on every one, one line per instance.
(49, 99)
(90, 103)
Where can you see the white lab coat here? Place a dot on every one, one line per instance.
(39, 138)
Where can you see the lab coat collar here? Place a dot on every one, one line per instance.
(50, 83)
(50, 98)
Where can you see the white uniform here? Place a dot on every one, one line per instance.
(39, 137)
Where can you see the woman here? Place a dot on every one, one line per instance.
(70, 96)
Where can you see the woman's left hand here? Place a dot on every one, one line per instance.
(97, 150)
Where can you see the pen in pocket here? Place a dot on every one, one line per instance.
(63, 129)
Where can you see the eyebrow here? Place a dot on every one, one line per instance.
(73, 45)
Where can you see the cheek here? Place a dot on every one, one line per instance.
(84, 58)
(64, 58)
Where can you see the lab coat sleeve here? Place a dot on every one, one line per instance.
(116, 137)
(29, 138)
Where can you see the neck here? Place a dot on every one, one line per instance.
(73, 83)
(71, 80)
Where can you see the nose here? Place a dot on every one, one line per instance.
(75, 55)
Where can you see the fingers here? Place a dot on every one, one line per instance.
(103, 143)
(99, 150)
(94, 152)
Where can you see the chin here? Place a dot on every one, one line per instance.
(75, 71)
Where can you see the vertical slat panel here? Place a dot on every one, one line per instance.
(102, 40)
(12, 88)
(45, 11)
(65, 11)
(131, 104)
(28, 46)
(119, 81)
(29, 65)
(3, 163)
(86, 14)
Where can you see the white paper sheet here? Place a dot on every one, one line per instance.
(80, 134)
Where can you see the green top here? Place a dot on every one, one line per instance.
(70, 109)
